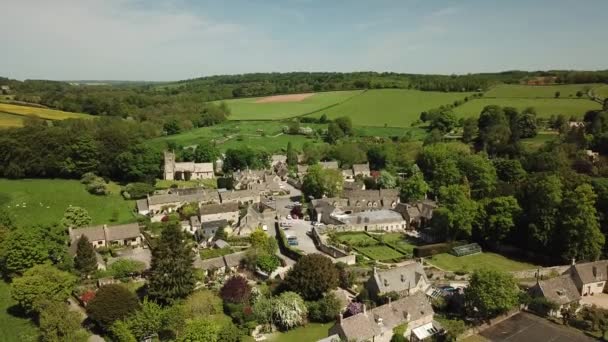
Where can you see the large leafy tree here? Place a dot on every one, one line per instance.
(206, 152)
(112, 303)
(497, 217)
(171, 273)
(60, 324)
(579, 230)
(387, 180)
(202, 303)
(76, 217)
(312, 276)
(319, 182)
(147, 321)
(480, 173)
(26, 247)
(289, 310)
(41, 284)
(86, 260)
(456, 214)
(541, 199)
(414, 188)
(491, 293)
(439, 163)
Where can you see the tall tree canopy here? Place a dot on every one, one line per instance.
(171, 273)
(312, 276)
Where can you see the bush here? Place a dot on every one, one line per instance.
(112, 303)
(88, 178)
(236, 290)
(137, 190)
(268, 263)
(542, 306)
(324, 310)
(125, 268)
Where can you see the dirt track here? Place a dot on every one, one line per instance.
(284, 98)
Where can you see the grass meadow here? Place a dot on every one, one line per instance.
(310, 332)
(390, 107)
(43, 201)
(601, 91)
(43, 113)
(11, 120)
(528, 91)
(248, 109)
(473, 262)
(545, 107)
(12, 327)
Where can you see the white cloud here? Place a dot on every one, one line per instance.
(104, 40)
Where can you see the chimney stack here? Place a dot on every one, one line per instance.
(365, 309)
(573, 262)
(341, 318)
(389, 301)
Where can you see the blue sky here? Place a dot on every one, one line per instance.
(178, 39)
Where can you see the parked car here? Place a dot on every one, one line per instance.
(292, 240)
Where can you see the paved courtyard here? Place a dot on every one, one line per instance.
(299, 229)
(525, 327)
(599, 299)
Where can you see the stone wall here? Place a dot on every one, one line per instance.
(544, 272)
(334, 252)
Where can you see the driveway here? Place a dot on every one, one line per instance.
(299, 229)
(599, 299)
(138, 254)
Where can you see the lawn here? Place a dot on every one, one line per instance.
(47, 199)
(43, 113)
(379, 252)
(400, 240)
(478, 261)
(390, 107)
(528, 91)
(193, 183)
(355, 238)
(13, 328)
(250, 109)
(540, 139)
(544, 107)
(257, 134)
(310, 332)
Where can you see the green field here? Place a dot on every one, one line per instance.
(249, 109)
(12, 327)
(544, 107)
(540, 139)
(355, 238)
(527, 91)
(25, 112)
(484, 260)
(399, 240)
(379, 252)
(11, 120)
(601, 91)
(47, 199)
(310, 332)
(390, 107)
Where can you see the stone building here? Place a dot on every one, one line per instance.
(186, 170)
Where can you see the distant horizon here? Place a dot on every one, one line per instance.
(182, 39)
(301, 71)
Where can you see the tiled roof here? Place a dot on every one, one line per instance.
(560, 290)
(210, 209)
(592, 272)
(400, 278)
(365, 326)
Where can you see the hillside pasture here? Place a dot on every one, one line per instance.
(470, 263)
(284, 106)
(601, 91)
(390, 107)
(14, 326)
(544, 107)
(43, 201)
(529, 91)
(10, 120)
(42, 113)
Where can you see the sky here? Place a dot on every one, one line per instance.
(163, 40)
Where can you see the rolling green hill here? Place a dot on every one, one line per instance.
(527, 91)
(390, 107)
(251, 109)
(14, 115)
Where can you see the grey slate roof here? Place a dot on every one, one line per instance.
(329, 165)
(400, 278)
(365, 326)
(102, 232)
(560, 290)
(360, 168)
(142, 205)
(592, 272)
(181, 196)
(214, 224)
(210, 209)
